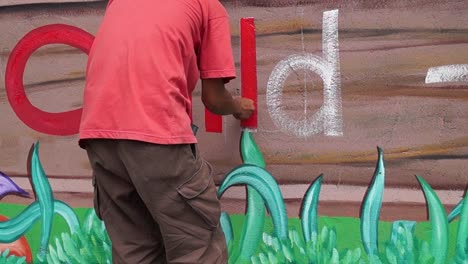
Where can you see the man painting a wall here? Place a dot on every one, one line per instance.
(155, 194)
(335, 80)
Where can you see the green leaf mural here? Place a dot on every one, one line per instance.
(307, 241)
(371, 208)
(309, 215)
(6, 258)
(262, 181)
(90, 244)
(321, 249)
(14, 228)
(45, 198)
(439, 223)
(255, 212)
(43, 208)
(461, 253)
(250, 152)
(404, 247)
(456, 211)
(226, 225)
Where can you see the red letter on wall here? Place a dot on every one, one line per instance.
(249, 68)
(64, 123)
(214, 123)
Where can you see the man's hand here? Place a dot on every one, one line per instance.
(220, 101)
(244, 108)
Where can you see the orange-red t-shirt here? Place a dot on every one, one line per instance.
(146, 59)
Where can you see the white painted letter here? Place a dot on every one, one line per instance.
(329, 117)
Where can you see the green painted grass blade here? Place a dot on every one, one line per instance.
(253, 226)
(12, 229)
(309, 219)
(71, 248)
(45, 198)
(89, 221)
(405, 224)
(439, 223)
(226, 225)
(255, 212)
(68, 214)
(371, 208)
(250, 153)
(462, 234)
(456, 211)
(262, 181)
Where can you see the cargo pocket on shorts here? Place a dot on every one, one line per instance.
(96, 202)
(200, 194)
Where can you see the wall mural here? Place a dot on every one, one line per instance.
(331, 80)
(282, 241)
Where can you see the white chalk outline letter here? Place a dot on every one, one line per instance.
(329, 117)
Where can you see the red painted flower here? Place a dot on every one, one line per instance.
(19, 247)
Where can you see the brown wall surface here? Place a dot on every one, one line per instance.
(385, 50)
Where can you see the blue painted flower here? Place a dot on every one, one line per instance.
(7, 186)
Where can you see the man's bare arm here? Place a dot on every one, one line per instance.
(218, 100)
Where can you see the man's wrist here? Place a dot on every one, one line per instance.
(237, 106)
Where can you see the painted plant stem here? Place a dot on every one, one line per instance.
(250, 152)
(371, 208)
(43, 208)
(255, 212)
(439, 223)
(14, 228)
(45, 198)
(462, 235)
(262, 181)
(456, 211)
(226, 225)
(309, 219)
(68, 215)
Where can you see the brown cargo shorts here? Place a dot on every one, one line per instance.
(158, 202)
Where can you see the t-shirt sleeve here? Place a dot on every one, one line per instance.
(215, 53)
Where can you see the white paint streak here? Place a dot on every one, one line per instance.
(304, 95)
(448, 73)
(328, 118)
(333, 125)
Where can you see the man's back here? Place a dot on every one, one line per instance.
(145, 63)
